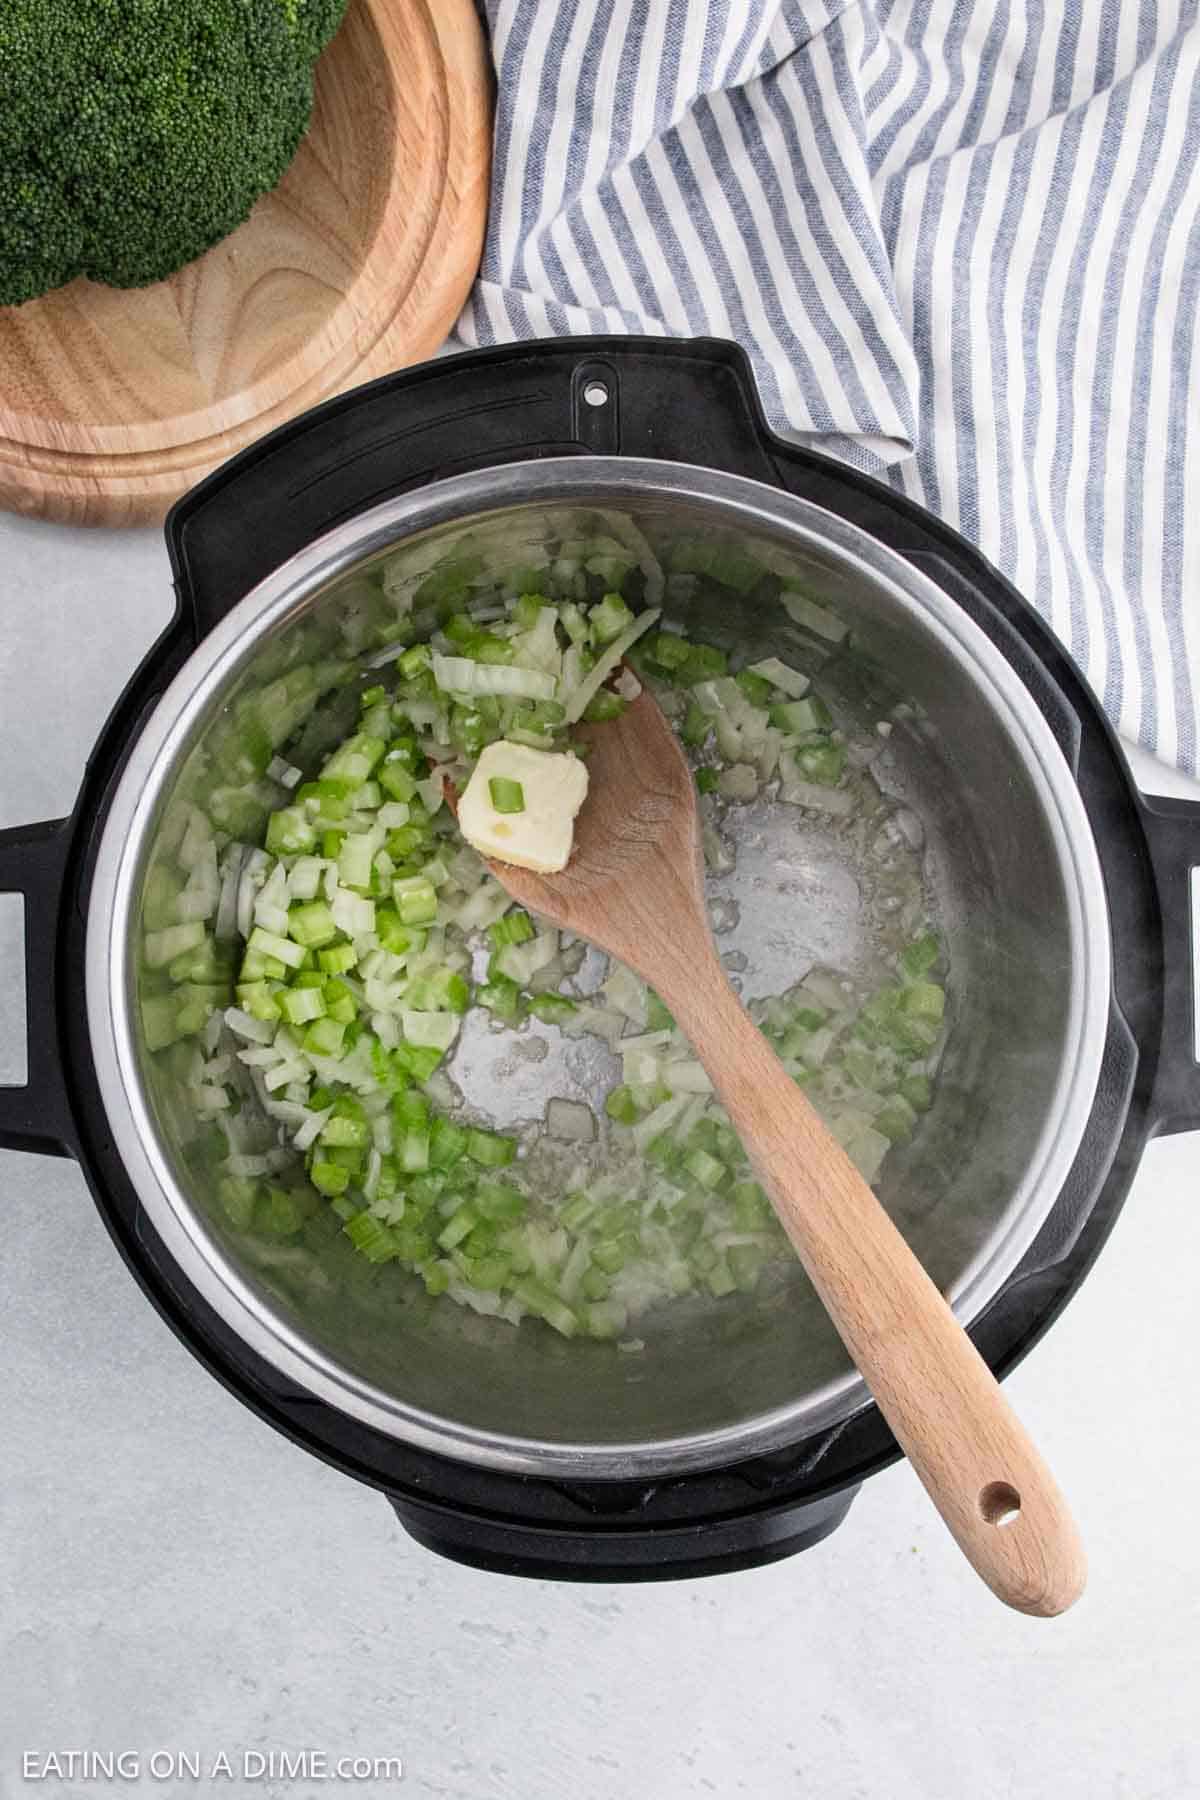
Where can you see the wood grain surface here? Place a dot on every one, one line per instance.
(635, 886)
(114, 401)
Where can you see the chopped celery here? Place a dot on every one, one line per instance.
(515, 927)
(458, 1226)
(540, 1300)
(896, 1119)
(621, 1105)
(610, 618)
(822, 763)
(603, 706)
(312, 925)
(300, 1005)
(496, 1200)
(704, 1168)
(162, 947)
(552, 1009)
(280, 949)
(696, 726)
(501, 997)
(329, 1178)
(290, 832)
(416, 900)
(755, 687)
(918, 1091)
(920, 956)
(371, 1238)
(490, 1149)
(809, 714)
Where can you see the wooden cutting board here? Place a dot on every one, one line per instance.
(114, 401)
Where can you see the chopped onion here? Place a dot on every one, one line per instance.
(647, 1040)
(595, 1021)
(686, 1076)
(247, 1165)
(590, 686)
(285, 773)
(789, 681)
(304, 882)
(738, 783)
(390, 652)
(658, 1121)
(570, 1120)
(311, 1129)
(624, 992)
(225, 925)
(252, 877)
(717, 854)
(286, 1112)
(838, 801)
(284, 1073)
(209, 1099)
(254, 1031)
(817, 619)
(197, 840)
(432, 1030)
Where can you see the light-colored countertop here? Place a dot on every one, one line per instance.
(174, 1576)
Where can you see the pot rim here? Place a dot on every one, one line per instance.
(287, 592)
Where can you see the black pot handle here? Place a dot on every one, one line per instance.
(37, 1116)
(514, 1546)
(681, 401)
(1172, 828)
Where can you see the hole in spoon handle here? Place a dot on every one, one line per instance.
(1000, 1503)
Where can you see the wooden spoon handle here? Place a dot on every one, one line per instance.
(936, 1392)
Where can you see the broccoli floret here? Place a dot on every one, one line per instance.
(135, 134)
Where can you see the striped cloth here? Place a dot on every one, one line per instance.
(959, 238)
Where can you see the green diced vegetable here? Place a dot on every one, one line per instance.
(506, 796)
(704, 1168)
(312, 925)
(796, 716)
(920, 956)
(552, 1009)
(821, 763)
(918, 1091)
(501, 997)
(290, 832)
(621, 1105)
(490, 1149)
(496, 1200)
(756, 689)
(610, 618)
(329, 1178)
(416, 900)
(324, 1037)
(298, 1005)
(515, 927)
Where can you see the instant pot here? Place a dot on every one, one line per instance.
(738, 1436)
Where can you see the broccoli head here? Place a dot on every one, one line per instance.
(135, 134)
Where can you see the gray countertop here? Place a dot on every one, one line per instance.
(175, 1577)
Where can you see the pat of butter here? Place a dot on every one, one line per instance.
(539, 838)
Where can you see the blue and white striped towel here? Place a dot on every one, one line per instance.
(959, 238)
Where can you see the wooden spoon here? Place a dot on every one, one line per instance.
(635, 887)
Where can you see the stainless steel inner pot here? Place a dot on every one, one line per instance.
(1009, 859)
